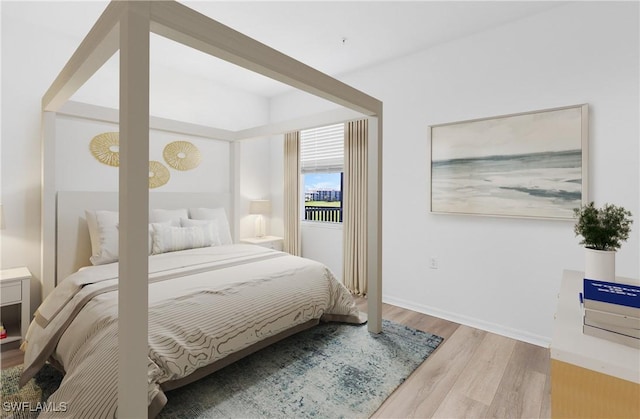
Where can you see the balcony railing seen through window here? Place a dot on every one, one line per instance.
(329, 214)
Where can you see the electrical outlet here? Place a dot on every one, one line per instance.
(433, 263)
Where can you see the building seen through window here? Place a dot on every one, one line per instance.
(323, 197)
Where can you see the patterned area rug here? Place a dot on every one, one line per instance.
(332, 370)
(28, 401)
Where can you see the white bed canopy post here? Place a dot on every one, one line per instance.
(374, 216)
(234, 186)
(133, 302)
(48, 204)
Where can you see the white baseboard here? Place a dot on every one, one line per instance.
(534, 339)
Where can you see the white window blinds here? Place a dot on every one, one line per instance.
(322, 149)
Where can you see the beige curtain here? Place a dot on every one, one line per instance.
(292, 193)
(355, 206)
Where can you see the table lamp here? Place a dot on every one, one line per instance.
(260, 208)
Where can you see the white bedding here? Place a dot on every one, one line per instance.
(204, 304)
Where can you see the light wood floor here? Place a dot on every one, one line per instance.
(11, 355)
(472, 374)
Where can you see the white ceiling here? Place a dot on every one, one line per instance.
(334, 37)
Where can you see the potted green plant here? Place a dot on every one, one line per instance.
(603, 231)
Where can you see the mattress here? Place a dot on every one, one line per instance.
(205, 305)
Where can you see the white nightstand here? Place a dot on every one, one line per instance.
(271, 242)
(15, 285)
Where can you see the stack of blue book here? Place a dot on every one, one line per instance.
(612, 311)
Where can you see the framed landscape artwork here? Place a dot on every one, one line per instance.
(531, 164)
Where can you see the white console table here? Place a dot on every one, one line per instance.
(590, 377)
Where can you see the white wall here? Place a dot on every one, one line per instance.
(180, 96)
(501, 274)
(323, 242)
(277, 185)
(78, 170)
(255, 182)
(27, 69)
(32, 56)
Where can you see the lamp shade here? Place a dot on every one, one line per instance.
(260, 206)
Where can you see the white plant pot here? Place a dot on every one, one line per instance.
(600, 264)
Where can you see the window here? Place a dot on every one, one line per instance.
(321, 161)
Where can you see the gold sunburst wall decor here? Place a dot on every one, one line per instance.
(158, 174)
(105, 148)
(182, 155)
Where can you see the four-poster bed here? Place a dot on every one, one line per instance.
(125, 26)
(209, 305)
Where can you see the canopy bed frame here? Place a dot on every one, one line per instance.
(125, 27)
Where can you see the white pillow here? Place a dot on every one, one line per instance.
(171, 239)
(92, 224)
(151, 226)
(212, 225)
(103, 231)
(150, 239)
(162, 215)
(217, 214)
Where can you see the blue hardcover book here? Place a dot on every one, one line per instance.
(612, 296)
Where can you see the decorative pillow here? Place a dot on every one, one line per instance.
(104, 234)
(151, 227)
(103, 231)
(150, 239)
(162, 215)
(171, 239)
(217, 214)
(212, 225)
